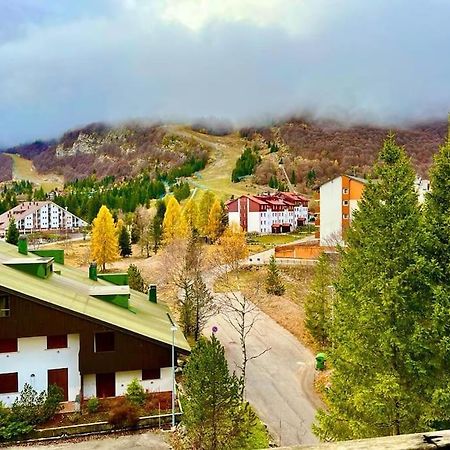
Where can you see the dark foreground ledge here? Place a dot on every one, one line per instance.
(417, 441)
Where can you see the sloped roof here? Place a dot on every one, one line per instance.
(70, 290)
(23, 209)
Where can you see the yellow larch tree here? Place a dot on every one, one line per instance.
(190, 213)
(204, 208)
(104, 242)
(214, 221)
(174, 223)
(233, 246)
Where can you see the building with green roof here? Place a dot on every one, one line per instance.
(88, 335)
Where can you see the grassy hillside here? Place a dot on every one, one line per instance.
(23, 169)
(224, 151)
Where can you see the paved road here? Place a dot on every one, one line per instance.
(150, 440)
(280, 382)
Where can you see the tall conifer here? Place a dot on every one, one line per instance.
(437, 224)
(104, 243)
(381, 318)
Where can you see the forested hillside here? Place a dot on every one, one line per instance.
(315, 152)
(120, 152)
(6, 167)
(311, 151)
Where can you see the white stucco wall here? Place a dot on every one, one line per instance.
(331, 212)
(234, 218)
(123, 379)
(253, 222)
(33, 357)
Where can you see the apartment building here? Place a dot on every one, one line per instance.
(40, 216)
(268, 213)
(338, 199)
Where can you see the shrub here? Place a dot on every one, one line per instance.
(93, 404)
(52, 403)
(13, 429)
(33, 408)
(26, 408)
(135, 393)
(123, 415)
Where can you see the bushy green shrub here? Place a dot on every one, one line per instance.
(93, 404)
(33, 408)
(11, 428)
(52, 403)
(135, 393)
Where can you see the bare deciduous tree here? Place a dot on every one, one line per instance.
(242, 314)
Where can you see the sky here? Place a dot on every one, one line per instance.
(66, 63)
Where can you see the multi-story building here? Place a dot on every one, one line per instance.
(39, 216)
(268, 213)
(89, 336)
(338, 199)
(422, 188)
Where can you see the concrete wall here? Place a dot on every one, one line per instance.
(33, 357)
(331, 212)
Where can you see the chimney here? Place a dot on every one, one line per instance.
(152, 293)
(93, 271)
(23, 245)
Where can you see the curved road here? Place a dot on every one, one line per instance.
(280, 382)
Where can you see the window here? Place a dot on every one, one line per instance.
(345, 216)
(345, 191)
(59, 341)
(5, 308)
(9, 383)
(8, 345)
(104, 342)
(345, 202)
(150, 374)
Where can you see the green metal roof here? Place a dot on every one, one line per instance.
(70, 290)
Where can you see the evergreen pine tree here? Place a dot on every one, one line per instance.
(12, 233)
(104, 244)
(124, 242)
(214, 415)
(274, 284)
(318, 302)
(293, 177)
(381, 316)
(135, 279)
(437, 225)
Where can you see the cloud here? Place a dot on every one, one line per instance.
(244, 61)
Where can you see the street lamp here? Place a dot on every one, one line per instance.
(173, 328)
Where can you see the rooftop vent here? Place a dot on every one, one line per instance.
(119, 279)
(40, 267)
(118, 295)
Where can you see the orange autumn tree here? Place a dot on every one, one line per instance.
(104, 242)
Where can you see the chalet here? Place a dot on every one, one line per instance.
(40, 216)
(270, 213)
(89, 334)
